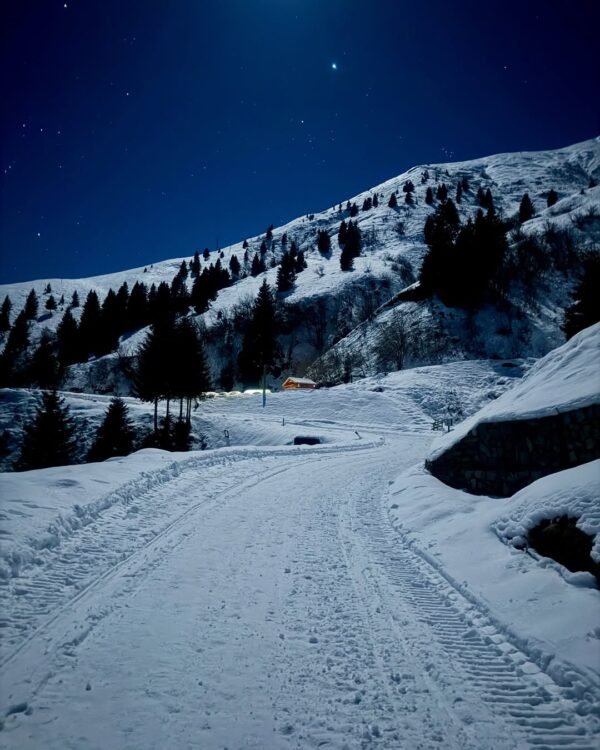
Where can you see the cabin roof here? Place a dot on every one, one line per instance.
(305, 381)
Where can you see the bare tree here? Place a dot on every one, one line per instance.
(397, 339)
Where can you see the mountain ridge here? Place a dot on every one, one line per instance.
(357, 302)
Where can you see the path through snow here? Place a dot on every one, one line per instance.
(266, 605)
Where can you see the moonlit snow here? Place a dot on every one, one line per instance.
(272, 596)
(264, 596)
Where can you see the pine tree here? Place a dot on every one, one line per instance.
(461, 263)
(180, 298)
(353, 241)
(200, 293)
(552, 198)
(5, 314)
(353, 210)
(393, 201)
(465, 184)
(206, 253)
(585, 310)
(409, 200)
(67, 339)
(234, 266)
(259, 349)
(151, 378)
(439, 235)
(323, 242)
(160, 305)
(189, 374)
(346, 259)
(195, 264)
(48, 288)
(122, 303)
(442, 192)
(109, 325)
(375, 201)
(286, 274)
(526, 209)
(12, 359)
(367, 204)
(51, 303)
(258, 265)
(342, 233)
(300, 262)
(49, 440)
(459, 192)
(137, 314)
(429, 196)
(31, 305)
(408, 187)
(115, 436)
(75, 299)
(45, 369)
(89, 325)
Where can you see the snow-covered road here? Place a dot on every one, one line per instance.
(261, 599)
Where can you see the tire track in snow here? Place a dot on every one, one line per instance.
(119, 525)
(496, 675)
(53, 645)
(354, 685)
(129, 521)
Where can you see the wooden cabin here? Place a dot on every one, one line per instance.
(293, 383)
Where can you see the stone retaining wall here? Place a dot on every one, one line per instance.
(500, 458)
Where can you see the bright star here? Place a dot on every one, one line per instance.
(334, 66)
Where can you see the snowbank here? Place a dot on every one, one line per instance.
(471, 541)
(565, 379)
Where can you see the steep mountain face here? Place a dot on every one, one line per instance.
(336, 320)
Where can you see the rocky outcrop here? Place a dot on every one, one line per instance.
(499, 458)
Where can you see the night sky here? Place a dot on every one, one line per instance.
(143, 130)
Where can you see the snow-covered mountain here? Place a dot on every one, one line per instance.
(264, 594)
(393, 249)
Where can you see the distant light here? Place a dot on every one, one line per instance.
(334, 66)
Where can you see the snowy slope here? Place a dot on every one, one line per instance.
(509, 176)
(566, 378)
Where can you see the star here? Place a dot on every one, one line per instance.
(334, 66)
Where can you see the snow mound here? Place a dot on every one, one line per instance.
(567, 378)
(574, 492)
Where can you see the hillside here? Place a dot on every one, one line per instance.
(332, 308)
